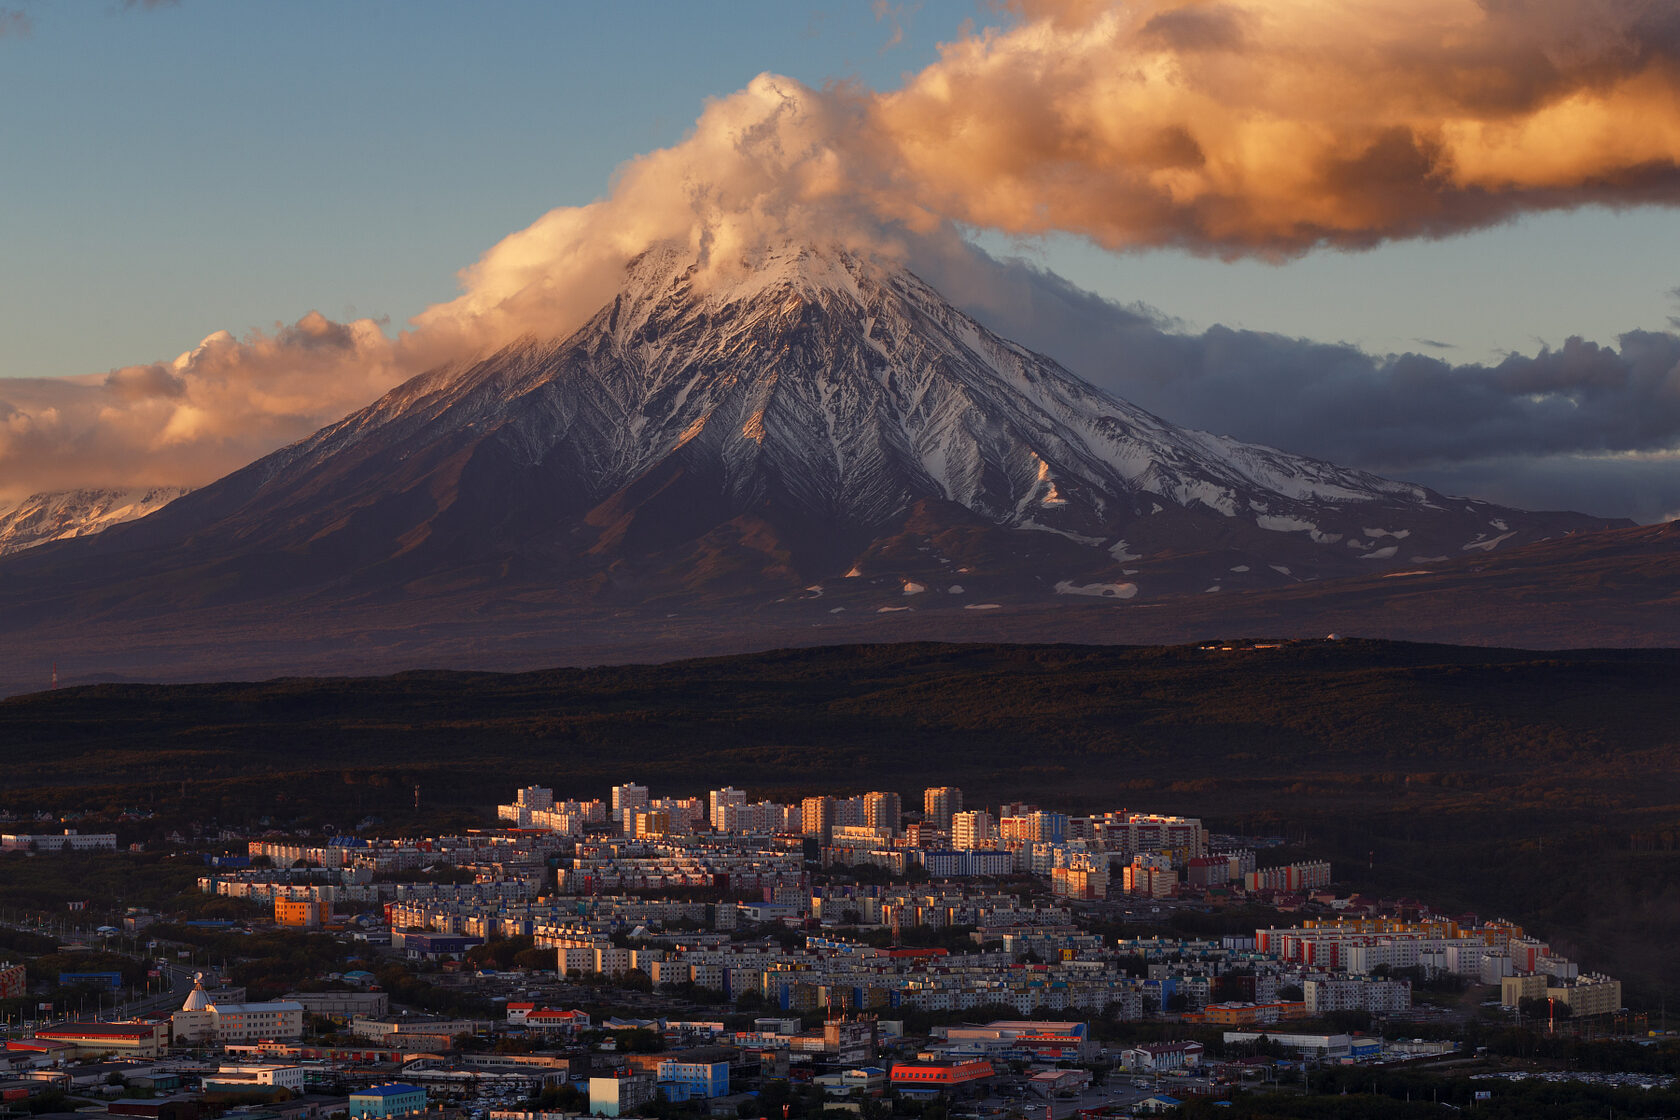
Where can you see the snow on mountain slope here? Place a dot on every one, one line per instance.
(799, 416)
(62, 514)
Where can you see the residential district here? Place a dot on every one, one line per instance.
(738, 958)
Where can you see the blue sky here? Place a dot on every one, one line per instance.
(172, 170)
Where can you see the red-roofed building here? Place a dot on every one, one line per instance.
(548, 1019)
(138, 1038)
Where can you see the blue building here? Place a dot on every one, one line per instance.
(437, 946)
(687, 1081)
(393, 1098)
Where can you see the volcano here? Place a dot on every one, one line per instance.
(811, 428)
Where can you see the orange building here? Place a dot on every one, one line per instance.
(300, 913)
(922, 1078)
(1247, 1014)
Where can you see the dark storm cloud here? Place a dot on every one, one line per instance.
(1582, 425)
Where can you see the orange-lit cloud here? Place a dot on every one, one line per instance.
(1273, 126)
(1229, 127)
(210, 411)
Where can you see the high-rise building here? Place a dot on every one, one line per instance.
(728, 795)
(629, 796)
(940, 804)
(628, 800)
(883, 810)
(848, 811)
(973, 830)
(652, 822)
(816, 816)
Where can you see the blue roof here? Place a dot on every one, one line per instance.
(394, 1089)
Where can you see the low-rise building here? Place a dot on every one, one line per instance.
(1322, 1046)
(394, 1098)
(201, 1019)
(1158, 1057)
(342, 1005)
(136, 1038)
(934, 1079)
(683, 1081)
(238, 1078)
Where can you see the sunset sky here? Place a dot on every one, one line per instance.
(174, 170)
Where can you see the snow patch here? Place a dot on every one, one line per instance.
(1121, 552)
(1490, 544)
(1499, 524)
(911, 587)
(1278, 524)
(1397, 534)
(1282, 569)
(1077, 538)
(1099, 590)
(889, 610)
(1385, 553)
(1240, 568)
(982, 606)
(854, 573)
(954, 589)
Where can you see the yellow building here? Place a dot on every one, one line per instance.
(1590, 995)
(1514, 989)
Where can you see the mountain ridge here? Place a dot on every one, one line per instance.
(717, 441)
(65, 514)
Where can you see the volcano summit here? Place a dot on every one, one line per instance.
(810, 434)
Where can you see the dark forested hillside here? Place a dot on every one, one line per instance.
(1545, 787)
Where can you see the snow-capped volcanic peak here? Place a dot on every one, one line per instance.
(858, 389)
(788, 414)
(62, 514)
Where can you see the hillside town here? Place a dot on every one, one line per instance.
(721, 956)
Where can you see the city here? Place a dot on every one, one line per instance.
(720, 955)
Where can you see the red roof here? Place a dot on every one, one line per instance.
(100, 1030)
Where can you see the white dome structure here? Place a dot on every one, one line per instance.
(197, 999)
